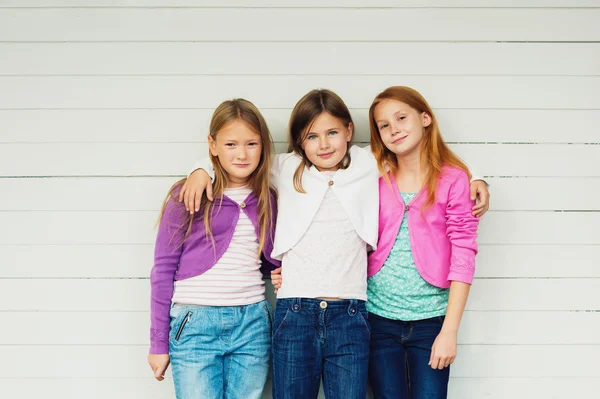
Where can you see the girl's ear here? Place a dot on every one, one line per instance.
(426, 119)
(212, 146)
(350, 132)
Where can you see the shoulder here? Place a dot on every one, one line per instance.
(452, 174)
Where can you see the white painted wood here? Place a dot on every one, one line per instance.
(126, 88)
(114, 261)
(191, 125)
(523, 388)
(138, 227)
(95, 295)
(76, 261)
(131, 328)
(304, 3)
(530, 261)
(147, 193)
(130, 361)
(148, 388)
(275, 58)
(513, 92)
(372, 24)
(176, 159)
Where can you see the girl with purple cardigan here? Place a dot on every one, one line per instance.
(209, 316)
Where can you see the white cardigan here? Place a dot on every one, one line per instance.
(356, 187)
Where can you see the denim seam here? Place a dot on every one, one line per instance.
(409, 333)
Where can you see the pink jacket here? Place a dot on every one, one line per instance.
(442, 238)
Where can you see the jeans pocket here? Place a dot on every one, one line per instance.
(277, 327)
(364, 317)
(182, 324)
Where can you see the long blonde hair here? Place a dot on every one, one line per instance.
(308, 108)
(259, 181)
(434, 151)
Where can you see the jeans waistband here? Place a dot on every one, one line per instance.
(297, 304)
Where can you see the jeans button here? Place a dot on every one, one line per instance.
(323, 304)
(296, 307)
(352, 310)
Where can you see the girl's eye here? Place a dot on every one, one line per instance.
(401, 118)
(252, 144)
(333, 132)
(311, 137)
(383, 126)
(230, 145)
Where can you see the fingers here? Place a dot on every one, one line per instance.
(159, 372)
(480, 208)
(276, 271)
(209, 192)
(188, 199)
(182, 191)
(197, 199)
(473, 190)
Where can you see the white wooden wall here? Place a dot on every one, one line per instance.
(105, 103)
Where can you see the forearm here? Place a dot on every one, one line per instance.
(457, 300)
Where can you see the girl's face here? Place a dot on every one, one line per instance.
(326, 143)
(238, 149)
(400, 126)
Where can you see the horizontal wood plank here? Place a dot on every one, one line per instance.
(182, 125)
(134, 295)
(135, 261)
(300, 3)
(132, 328)
(176, 159)
(126, 227)
(374, 24)
(275, 58)
(147, 193)
(148, 388)
(277, 91)
(473, 361)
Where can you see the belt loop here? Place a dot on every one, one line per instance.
(297, 305)
(353, 307)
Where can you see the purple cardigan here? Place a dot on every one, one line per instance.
(197, 255)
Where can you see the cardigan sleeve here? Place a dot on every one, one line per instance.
(461, 228)
(167, 253)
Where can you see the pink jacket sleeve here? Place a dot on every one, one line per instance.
(461, 228)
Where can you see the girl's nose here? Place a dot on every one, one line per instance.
(324, 142)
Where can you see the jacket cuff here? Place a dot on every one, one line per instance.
(462, 269)
(159, 342)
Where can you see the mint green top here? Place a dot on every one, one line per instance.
(398, 291)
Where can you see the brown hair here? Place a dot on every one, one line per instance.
(259, 181)
(434, 151)
(308, 108)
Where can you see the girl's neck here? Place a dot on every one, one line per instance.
(411, 172)
(237, 184)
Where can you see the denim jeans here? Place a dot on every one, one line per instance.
(399, 357)
(220, 351)
(316, 339)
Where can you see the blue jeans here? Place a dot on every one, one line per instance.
(314, 338)
(220, 351)
(398, 363)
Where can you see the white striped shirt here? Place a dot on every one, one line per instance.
(236, 278)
